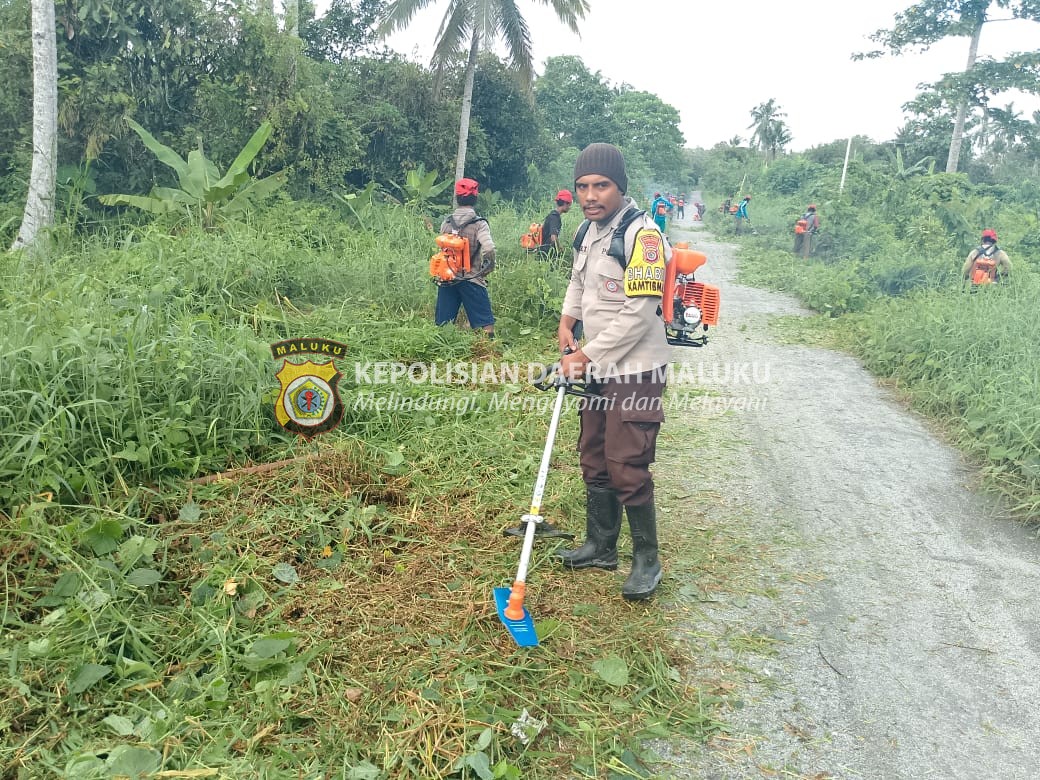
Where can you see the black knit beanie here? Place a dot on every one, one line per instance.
(602, 160)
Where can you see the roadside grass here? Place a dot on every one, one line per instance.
(970, 361)
(118, 355)
(330, 619)
(973, 362)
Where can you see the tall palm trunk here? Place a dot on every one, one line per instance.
(962, 107)
(467, 106)
(39, 205)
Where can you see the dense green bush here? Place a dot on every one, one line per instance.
(789, 175)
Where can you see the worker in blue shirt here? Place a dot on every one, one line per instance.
(659, 209)
(741, 215)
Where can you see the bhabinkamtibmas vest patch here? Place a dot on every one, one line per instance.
(644, 274)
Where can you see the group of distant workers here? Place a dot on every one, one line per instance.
(985, 264)
(662, 207)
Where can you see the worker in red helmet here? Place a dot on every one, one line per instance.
(470, 290)
(987, 263)
(552, 225)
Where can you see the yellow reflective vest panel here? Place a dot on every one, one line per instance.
(620, 307)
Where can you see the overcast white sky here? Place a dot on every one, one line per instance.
(715, 61)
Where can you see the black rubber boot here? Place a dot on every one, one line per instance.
(602, 526)
(646, 568)
(544, 530)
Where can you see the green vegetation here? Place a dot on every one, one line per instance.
(344, 114)
(957, 96)
(334, 615)
(887, 264)
(973, 362)
(192, 592)
(204, 194)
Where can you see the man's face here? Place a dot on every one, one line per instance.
(988, 242)
(565, 207)
(598, 196)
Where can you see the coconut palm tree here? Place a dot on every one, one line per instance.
(39, 205)
(771, 133)
(473, 25)
(976, 17)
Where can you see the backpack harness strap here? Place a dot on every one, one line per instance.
(474, 252)
(458, 228)
(617, 240)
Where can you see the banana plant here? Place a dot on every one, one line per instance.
(360, 204)
(202, 189)
(924, 166)
(420, 188)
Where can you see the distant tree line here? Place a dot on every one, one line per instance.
(345, 110)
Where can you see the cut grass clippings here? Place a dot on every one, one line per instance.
(286, 621)
(332, 617)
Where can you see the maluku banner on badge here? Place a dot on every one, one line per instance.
(644, 275)
(308, 401)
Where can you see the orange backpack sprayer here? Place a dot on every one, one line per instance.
(453, 258)
(983, 270)
(688, 306)
(984, 265)
(532, 239)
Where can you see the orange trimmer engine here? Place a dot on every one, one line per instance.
(984, 270)
(688, 306)
(532, 239)
(453, 258)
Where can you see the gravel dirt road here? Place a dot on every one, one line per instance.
(889, 624)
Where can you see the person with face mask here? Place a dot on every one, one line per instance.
(987, 263)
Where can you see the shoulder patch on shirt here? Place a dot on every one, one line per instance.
(644, 275)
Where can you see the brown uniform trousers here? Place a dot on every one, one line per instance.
(618, 439)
